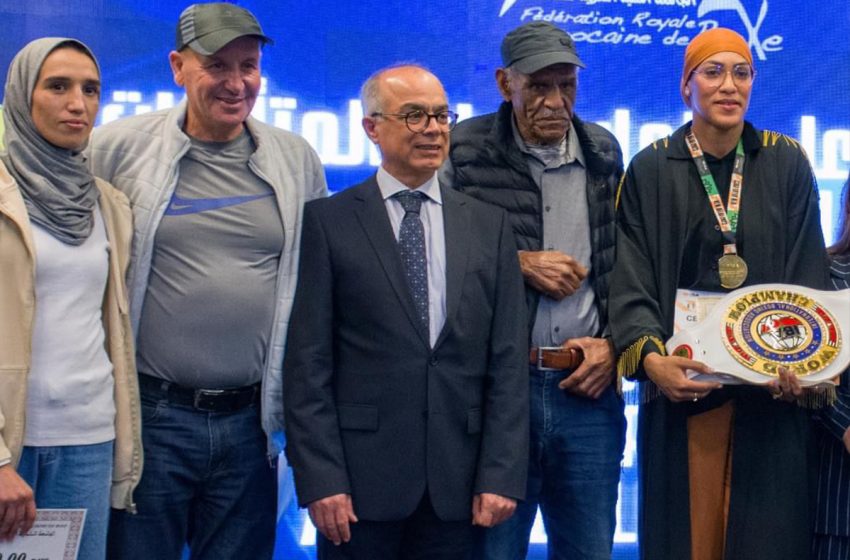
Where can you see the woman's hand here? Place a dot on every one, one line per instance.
(17, 504)
(787, 387)
(670, 374)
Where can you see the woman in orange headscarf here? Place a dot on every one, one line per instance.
(725, 470)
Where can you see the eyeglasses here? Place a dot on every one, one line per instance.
(419, 121)
(715, 74)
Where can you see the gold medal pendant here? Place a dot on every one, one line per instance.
(733, 271)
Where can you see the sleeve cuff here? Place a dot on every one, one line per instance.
(630, 360)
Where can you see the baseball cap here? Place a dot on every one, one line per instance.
(206, 28)
(536, 45)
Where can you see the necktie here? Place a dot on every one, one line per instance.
(411, 243)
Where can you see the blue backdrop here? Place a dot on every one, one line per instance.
(633, 50)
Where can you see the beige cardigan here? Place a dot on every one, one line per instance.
(17, 302)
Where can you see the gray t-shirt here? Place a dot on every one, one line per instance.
(209, 306)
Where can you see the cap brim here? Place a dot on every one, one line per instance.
(531, 64)
(213, 42)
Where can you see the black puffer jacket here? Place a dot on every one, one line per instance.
(488, 165)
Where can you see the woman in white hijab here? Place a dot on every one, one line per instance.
(69, 411)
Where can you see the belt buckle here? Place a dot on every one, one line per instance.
(540, 350)
(206, 399)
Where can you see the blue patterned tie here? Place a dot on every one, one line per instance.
(411, 243)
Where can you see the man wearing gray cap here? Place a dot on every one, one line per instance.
(557, 177)
(217, 200)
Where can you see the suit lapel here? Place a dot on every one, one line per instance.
(456, 222)
(372, 214)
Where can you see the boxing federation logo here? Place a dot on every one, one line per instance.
(765, 329)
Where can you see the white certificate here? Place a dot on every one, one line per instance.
(54, 536)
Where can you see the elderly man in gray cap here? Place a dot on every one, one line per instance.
(557, 176)
(217, 199)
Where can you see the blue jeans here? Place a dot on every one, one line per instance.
(574, 470)
(73, 477)
(206, 481)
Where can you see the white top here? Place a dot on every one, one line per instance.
(70, 394)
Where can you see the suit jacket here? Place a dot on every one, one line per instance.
(833, 509)
(373, 410)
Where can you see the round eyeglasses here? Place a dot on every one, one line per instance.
(419, 121)
(715, 74)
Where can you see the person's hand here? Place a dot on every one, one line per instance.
(332, 516)
(787, 387)
(552, 272)
(846, 439)
(488, 510)
(669, 373)
(595, 372)
(17, 504)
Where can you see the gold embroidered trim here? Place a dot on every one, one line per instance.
(665, 141)
(629, 360)
(619, 191)
(817, 398)
(770, 138)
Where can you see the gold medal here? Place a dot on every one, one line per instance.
(733, 271)
(731, 267)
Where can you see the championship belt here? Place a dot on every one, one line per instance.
(745, 335)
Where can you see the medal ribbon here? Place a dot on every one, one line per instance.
(727, 217)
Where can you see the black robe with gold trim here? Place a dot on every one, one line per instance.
(662, 206)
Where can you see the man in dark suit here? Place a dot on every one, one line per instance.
(406, 390)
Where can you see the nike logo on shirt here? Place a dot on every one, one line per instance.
(182, 206)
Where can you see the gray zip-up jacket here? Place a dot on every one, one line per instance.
(140, 156)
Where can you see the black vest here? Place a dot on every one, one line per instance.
(489, 166)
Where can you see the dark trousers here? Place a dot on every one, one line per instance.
(422, 536)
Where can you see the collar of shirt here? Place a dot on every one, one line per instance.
(389, 186)
(571, 152)
(678, 149)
